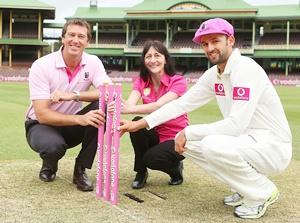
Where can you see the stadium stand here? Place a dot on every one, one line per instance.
(142, 37)
(183, 40)
(21, 40)
(295, 38)
(243, 40)
(110, 38)
(14, 71)
(25, 30)
(273, 39)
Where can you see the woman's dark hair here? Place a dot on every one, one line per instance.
(160, 47)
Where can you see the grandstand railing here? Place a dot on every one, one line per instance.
(182, 50)
(275, 47)
(133, 49)
(107, 45)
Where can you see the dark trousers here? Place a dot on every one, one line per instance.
(51, 142)
(149, 153)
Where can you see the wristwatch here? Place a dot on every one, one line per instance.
(77, 93)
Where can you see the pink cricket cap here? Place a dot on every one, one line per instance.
(211, 26)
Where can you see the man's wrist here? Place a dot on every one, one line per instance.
(184, 133)
(181, 133)
(142, 123)
(77, 95)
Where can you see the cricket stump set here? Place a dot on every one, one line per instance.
(107, 185)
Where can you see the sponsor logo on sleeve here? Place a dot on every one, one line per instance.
(219, 89)
(241, 93)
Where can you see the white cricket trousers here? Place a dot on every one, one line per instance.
(241, 162)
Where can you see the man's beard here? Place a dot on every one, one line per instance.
(220, 59)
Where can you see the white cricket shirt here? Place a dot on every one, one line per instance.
(247, 99)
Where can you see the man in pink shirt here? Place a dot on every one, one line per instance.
(55, 121)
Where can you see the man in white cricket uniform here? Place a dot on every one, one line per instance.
(252, 141)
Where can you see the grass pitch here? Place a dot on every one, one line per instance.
(24, 198)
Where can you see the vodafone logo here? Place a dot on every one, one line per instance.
(219, 89)
(241, 93)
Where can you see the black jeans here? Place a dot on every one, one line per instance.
(51, 142)
(149, 153)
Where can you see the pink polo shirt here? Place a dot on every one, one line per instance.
(49, 73)
(176, 84)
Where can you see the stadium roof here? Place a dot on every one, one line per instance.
(196, 9)
(279, 12)
(100, 14)
(150, 5)
(28, 42)
(53, 25)
(48, 11)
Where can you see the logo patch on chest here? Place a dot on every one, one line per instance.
(219, 89)
(86, 75)
(146, 91)
(241, 93)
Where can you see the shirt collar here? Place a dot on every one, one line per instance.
(59, 60)
(231, 61)
(165, 80)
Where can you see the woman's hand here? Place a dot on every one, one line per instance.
(111, 107)
(125, 107)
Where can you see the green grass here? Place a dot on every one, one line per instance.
(24, 198)
(14, 101)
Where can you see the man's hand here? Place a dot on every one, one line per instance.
(180, 142)
(94, 118)
(58, 96)
(132, 126)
